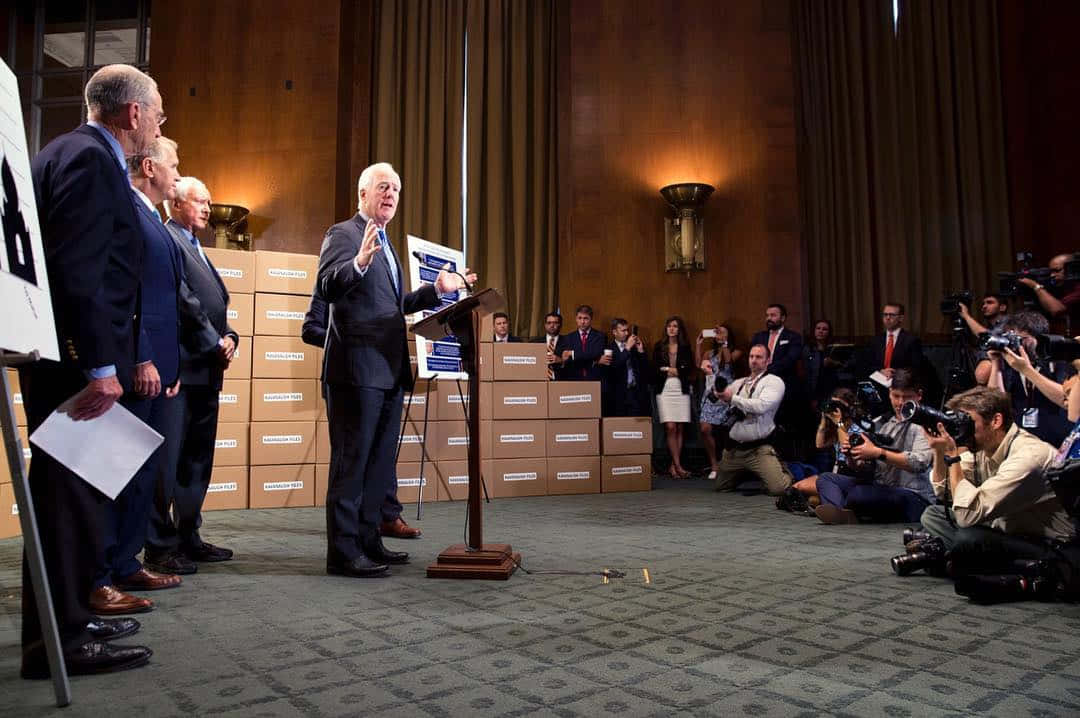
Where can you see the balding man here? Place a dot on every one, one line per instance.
(207, 345)
(366, 371)
(94, 255)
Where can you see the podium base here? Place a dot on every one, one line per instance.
(493, 561)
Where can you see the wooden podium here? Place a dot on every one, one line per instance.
(475, 559)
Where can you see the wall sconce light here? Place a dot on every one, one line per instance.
(229, 222)
(684, 234)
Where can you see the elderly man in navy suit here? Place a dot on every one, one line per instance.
(94, 255)
(366, 371)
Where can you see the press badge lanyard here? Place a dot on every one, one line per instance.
(753, 386)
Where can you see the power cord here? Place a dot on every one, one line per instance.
(606, 573)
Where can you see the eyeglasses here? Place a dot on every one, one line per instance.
(890, 315)
(160, 120)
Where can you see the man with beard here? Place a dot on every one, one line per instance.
(785, 350)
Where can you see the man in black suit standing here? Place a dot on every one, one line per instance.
(207, 345)
(552, 328)
(785, 350)
(580, 350)
(501, 323)
(94, 255)
(366, 371)
(895, 348)
(625, 387)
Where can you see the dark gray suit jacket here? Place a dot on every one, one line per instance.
(366, 339)
(204, 302)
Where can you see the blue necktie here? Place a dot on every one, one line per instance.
(198, 250)
(388, 254)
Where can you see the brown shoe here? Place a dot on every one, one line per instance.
(830, 514)
(398, 529)
(108, 601)
(146, 580)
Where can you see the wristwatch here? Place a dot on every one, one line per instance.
(1037, 287)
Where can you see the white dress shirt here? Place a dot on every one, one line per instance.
(759, 399)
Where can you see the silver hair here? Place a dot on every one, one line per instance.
(369, 174)
(183, 191)
(155, 151)
(114, 86)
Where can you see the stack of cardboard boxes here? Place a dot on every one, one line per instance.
(9, 510)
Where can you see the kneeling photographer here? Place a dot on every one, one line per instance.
(1000, 523)
(1033, 382)
(899, 457)
(754, 400)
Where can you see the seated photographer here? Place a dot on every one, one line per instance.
(1035, 388)
(718, 365)
(754, 400)
(830, 437)
(995, 310)
(898, 458)
(625, 388)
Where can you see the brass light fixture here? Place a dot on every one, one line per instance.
(684, 234)
(229, 222)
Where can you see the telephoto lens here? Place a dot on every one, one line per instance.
(958, 424)
(1057, 348)
(929, 555)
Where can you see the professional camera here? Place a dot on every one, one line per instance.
(928, 554)
(958, 424)
(1057, 348)
(1065, 481)
(831, 406)
(950, 304)
(879, 440)
(1009, 286)
(720, 382)
(1027, 579)
(988, 341)
(733, 417)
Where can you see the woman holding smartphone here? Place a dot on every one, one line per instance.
(718, 361)
(674, 363)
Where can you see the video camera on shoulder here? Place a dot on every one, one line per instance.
(958, 424)
(1009, 285)
(950, 303)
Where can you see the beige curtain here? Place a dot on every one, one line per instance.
(418, 72)
(511, 153)
(902, 156)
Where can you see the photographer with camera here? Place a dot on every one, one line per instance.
(1034, 385)
(1062, 297)
(995, 310)
(626, 373)
(899, 459)
(754, 400)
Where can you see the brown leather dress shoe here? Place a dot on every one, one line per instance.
(146, 580)
(108, 601)
(398, 529)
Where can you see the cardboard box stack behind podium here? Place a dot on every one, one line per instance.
(9, 510)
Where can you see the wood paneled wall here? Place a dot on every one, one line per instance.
(687, 90)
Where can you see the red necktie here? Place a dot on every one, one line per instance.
(888, 350)
(584, 335)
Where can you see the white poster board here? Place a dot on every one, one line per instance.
(441, 359)
(24, 286)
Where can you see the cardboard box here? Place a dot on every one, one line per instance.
(453, 480)
(452, 441)
(228, 489)
(284, 399)
(236, 268)
(231, 447)
(626, 473)
(285, 272)
(240, 366)
(408, 482)
(516, 477)
(283, 358)
(322, 443)
(626, 435)
(519, 399)
(241, 313)
(280, 315)
(234, 401)
(16, 397)
(282, 442)
(273, 487)
(415, 442)
(573, 399)
(424, 392)
(9, 513)
(520, 361)
(27, 449)
(450, 400)
(321, 413)
(322, 483)
(519, 439)
(573, 475)
(573, 437)
(486, 357)
(487, 328)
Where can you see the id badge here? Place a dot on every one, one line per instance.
(1030, 419)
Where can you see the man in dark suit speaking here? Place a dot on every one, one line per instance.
(366, 371)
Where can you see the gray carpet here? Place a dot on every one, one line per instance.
(748, 611)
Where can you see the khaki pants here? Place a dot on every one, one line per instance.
(761, 461)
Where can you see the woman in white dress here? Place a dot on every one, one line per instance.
(674, 362)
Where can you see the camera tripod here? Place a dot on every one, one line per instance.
(960, 373)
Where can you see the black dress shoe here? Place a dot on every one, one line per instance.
(172, 562)
(207, 553)
(378, 553)
(359, 567)
(87, 659)
(108, 629)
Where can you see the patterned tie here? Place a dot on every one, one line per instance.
(888, 350)
(551, 348)
(584, 337)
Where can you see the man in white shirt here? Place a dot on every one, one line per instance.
(758, 396)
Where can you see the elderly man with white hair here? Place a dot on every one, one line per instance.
(207, 345)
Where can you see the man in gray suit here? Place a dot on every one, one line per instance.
(366, 371)
(207, 346)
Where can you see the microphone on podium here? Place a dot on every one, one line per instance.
(445, 268)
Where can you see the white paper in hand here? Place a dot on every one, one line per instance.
(880, 378)
(104, 452)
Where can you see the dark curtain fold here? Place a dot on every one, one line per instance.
(511, 193)
(902, 156)
(417, 114)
